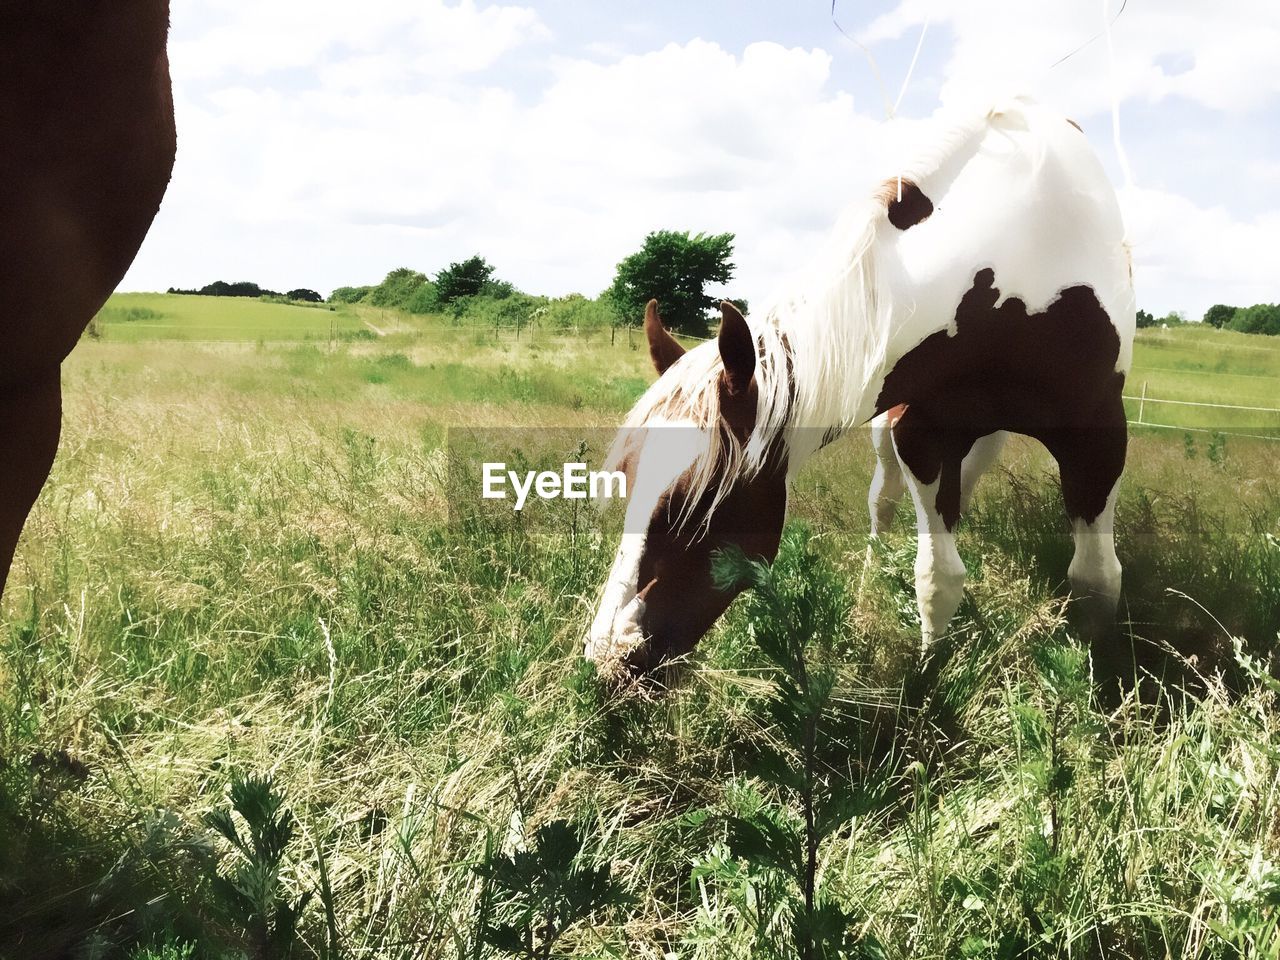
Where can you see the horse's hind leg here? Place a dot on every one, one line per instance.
(1090, 462)
(30, 421)
(887, 484)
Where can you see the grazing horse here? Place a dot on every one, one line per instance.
(984, 288)
(87, 146)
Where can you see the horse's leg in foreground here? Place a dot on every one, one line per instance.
(87, 144)
(30, 421)
(887, 483)
(1090, 462)
(1095, 572)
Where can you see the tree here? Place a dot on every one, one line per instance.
(465, 279)
(220, 288)
(674, 268)
(396, 288)
(307, 296)
(499, 289)
(1260, 318)
(1145, 319)
(350, 294)
(1219, 315)
(423, 299)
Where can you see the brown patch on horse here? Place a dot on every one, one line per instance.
(681, 603)
(906, 203)
(1049, 375)
(664, 349)
(1076, 125)
(86, 121)
(738, 351)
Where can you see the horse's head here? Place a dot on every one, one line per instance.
(705, 470)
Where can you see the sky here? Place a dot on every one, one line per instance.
(324, 144)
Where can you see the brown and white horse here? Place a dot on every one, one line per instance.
(87, 145)
(984, 288)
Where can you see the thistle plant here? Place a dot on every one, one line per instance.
(544, 892)
(253, 889)
(796, 607)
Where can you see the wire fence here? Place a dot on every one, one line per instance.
(1248, 429)
(1246, 421)
(1199, 408)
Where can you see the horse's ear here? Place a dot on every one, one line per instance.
(664, 349)
(737, 348)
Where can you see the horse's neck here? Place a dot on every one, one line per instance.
(82, 38)
(89, 64)
(837, 358)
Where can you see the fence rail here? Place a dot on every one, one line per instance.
(1142, 400)
(1199, 403)
(1210, 373)
(1225, 433)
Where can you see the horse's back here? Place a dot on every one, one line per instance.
(1027, 198)
(1012, 298)
(87, 146)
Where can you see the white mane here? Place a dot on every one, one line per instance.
(821, 348)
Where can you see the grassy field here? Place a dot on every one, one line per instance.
(1207, 366)
(133, 317)
(251, 562)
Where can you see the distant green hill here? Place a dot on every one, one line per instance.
(1199, 365)
(162, 316)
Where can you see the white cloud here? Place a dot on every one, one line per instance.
(213, 38)
(1219, 55)
(328, 150)
(1188, 257)
(366, 171)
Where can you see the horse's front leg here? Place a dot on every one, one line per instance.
(932, 459)
(30, 422)
(887, 483)
(940, 573)
(981, 457)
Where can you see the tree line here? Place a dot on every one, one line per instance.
(1263, 318)
(675, 267)
(672, 266)
(243, 288)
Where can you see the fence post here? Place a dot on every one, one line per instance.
(1142, 401)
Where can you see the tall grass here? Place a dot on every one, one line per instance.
(244, 568)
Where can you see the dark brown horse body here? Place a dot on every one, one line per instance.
(87, 145)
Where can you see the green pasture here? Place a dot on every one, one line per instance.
(254, 559)
(1189, 363)
(1207, 366)
(133, 317)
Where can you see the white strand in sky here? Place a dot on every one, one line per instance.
(1115, 98)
